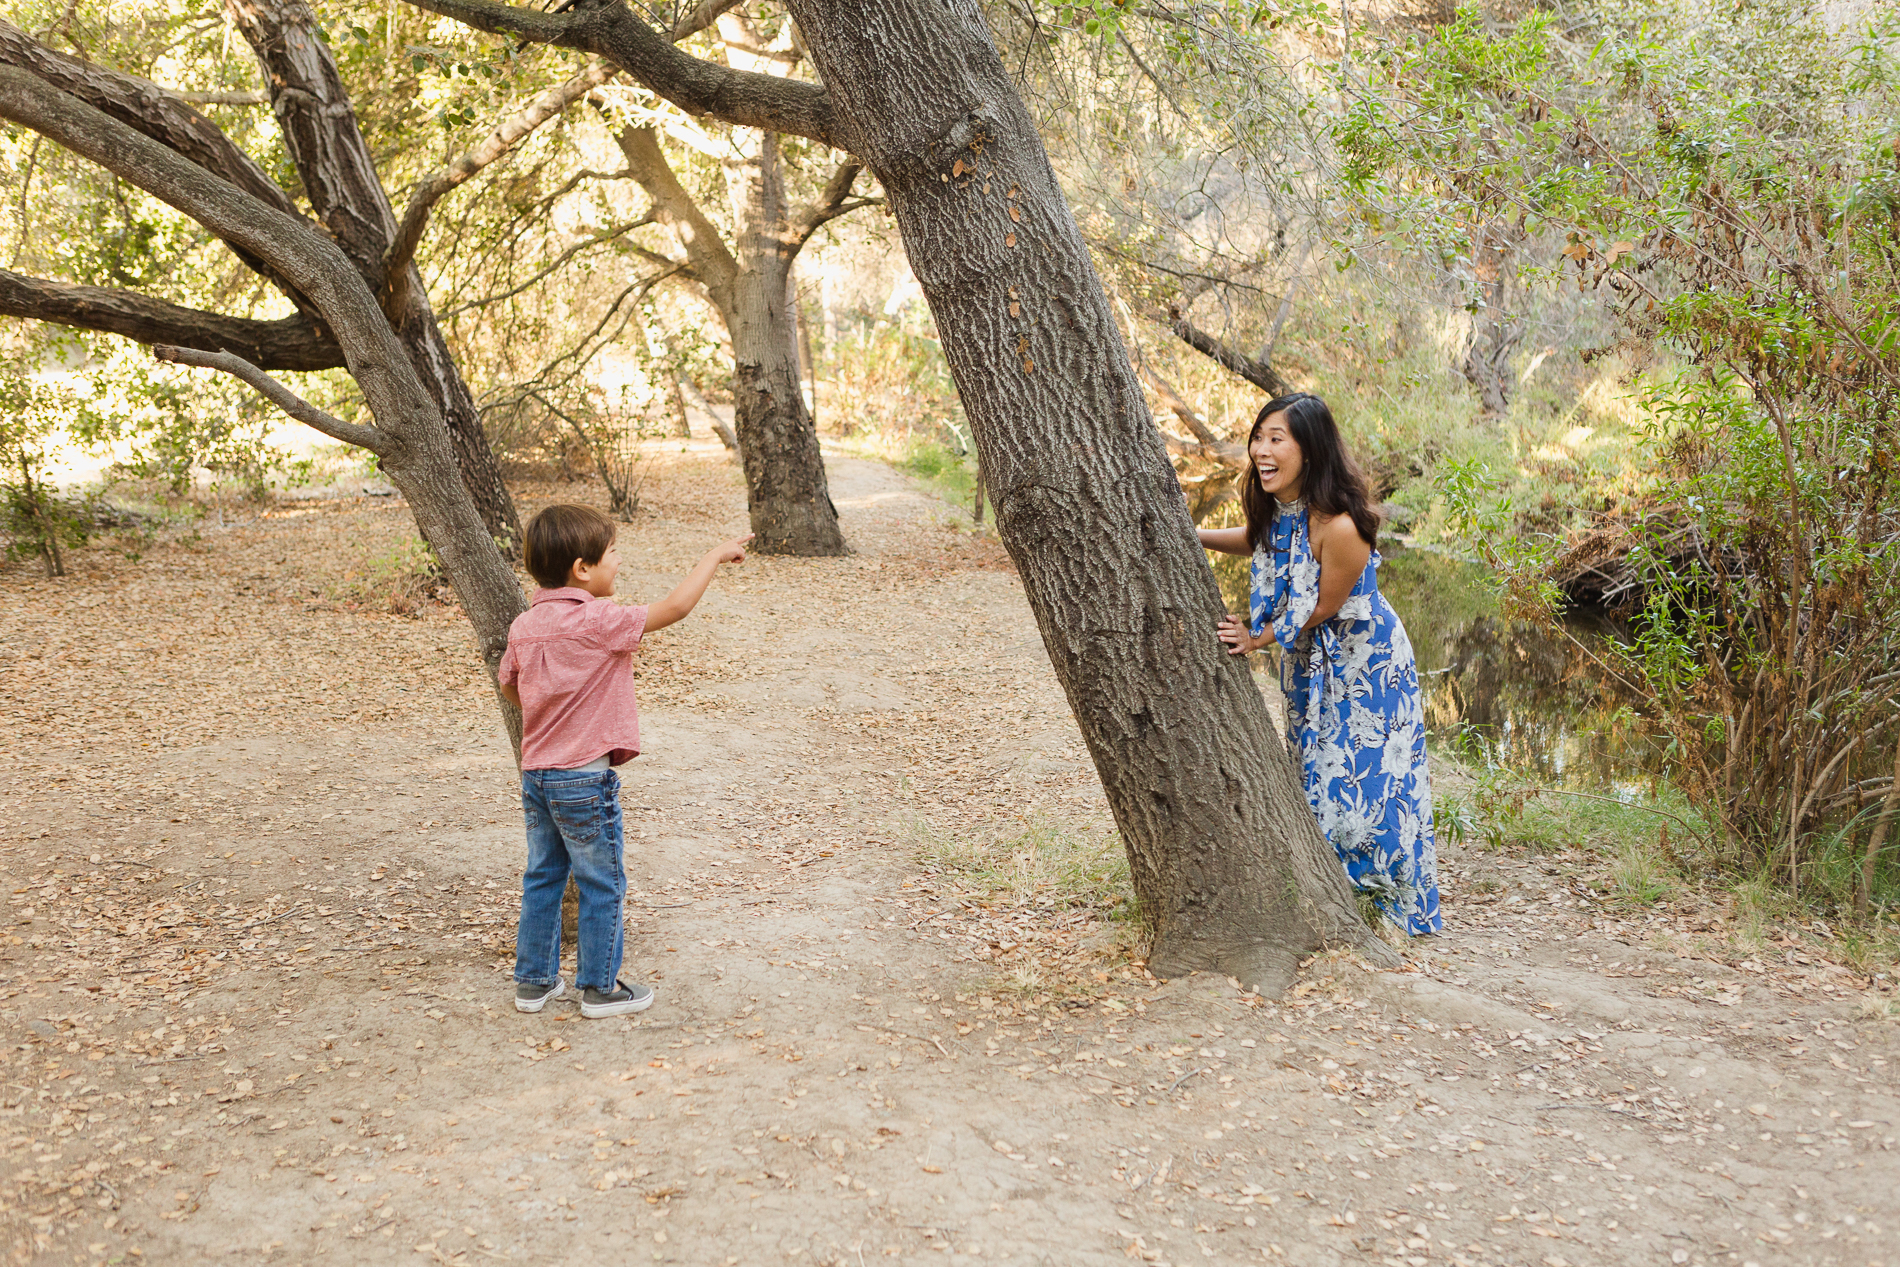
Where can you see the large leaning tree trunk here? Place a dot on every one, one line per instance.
(334, 167)
(156, 143)
(1228, 861)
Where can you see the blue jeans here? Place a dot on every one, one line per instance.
(573, 825)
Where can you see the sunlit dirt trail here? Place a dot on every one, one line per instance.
(256, 991)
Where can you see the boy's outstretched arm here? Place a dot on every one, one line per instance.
(675, 606)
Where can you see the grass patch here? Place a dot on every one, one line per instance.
(1048, 864)
(401, 579)
(937, 465)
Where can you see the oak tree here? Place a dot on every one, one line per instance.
(1227, 859)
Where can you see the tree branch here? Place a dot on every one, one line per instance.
(1259, 373)
(1205, 443)
(294, 343)
(138, 103)
(706, 252)
(160, 114)
(604, 236)
(311, 261)
(700, 18)
(696, 86)
(834, 201)
(431, 188)
(377, 442)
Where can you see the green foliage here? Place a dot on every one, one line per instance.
(1726, 182)
(1478, 510)
(1647, 843)
(951, 474)
(34, 403)
(168, 424)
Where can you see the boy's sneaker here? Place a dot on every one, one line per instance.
(619, 1001)
(532, 998)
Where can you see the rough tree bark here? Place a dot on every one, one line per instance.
(748, 283)
(346, 195)
(409, 436)
(1227, 859)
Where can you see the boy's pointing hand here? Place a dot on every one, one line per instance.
(734, 551)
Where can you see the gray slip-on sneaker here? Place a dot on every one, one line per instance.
(532, 998)
(619, 1001)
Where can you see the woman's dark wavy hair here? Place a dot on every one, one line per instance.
(1330, 480)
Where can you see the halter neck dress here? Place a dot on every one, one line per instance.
(1354, 716)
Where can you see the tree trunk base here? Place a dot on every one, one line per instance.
(1255, 962)
(571, 913)
(806, 530)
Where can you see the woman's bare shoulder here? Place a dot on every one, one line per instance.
(1327, 529)
(1322, 525)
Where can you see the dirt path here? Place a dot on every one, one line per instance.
(263, 850)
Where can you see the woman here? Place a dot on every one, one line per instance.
(1350, 679)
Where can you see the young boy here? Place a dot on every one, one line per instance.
(569, 667)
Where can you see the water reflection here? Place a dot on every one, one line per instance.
(1543, 701)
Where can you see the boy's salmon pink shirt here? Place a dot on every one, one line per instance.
(570, 655)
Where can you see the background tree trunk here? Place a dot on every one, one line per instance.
(1227, 859)
(790, 502)
(339, 177)
(1494, 335)
(749, 285)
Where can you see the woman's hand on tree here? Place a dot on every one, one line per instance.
(1239, 639)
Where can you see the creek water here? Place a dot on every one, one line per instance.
(1544, 702)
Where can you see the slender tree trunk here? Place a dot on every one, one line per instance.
(778, 440)
(339, 177)
(1227, 859)
(1495, 334)
(748, 284)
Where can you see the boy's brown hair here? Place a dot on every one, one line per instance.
(558, 536)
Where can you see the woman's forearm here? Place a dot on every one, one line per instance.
(1225, 540)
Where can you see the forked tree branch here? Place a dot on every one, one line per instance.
(293, 343)
(430, 190)
(311, 261)
(835, 200)
(376, 441)
(159, 113)
(695, 85)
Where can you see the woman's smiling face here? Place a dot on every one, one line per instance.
(1277, 460)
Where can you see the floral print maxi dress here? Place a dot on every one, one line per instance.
(1354, 716)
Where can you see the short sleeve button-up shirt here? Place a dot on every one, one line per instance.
(570, 655)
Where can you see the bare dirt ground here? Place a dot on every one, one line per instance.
(261, 844)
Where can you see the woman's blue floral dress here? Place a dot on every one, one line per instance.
(1353, 714)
